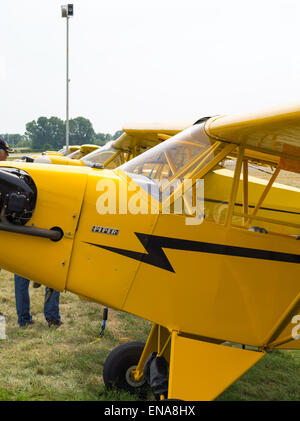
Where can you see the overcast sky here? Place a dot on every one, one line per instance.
(137, 60)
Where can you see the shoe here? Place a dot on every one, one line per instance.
(52, 322)
(36, 285)
(31, 322)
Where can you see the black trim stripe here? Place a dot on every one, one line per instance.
(155, 255)
(252, 206)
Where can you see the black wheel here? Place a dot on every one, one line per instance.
(118, 366)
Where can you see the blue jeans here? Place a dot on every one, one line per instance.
(51, 308)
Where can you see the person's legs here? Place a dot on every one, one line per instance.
(22, 300)
(51, 307)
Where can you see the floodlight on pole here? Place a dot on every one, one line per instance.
(67, 11)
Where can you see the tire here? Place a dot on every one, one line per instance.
(116, 370)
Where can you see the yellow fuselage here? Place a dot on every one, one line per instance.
(226, 293)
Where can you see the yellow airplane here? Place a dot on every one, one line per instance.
(73, 158)
(61, 153)
(215, 268)
(134, 141)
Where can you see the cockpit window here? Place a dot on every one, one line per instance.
(75, 155)
(62, 151)
(101, 156)
(178, 157)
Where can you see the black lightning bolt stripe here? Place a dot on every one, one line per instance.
(155, 255)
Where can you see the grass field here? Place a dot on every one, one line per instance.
(38, 363)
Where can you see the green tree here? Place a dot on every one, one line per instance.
(26, 143)
(52, 131)
(48, 147)
(46, 130)
(100, 136)
(117, 134)
(99, 142)
(104, 137)
(12, 139)
(81, 131)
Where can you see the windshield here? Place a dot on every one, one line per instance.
(62, 151)
(102, 155)
(180, 157)
(75, 155)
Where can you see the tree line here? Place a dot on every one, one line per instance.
(50, 133)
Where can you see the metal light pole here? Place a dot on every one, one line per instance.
(66, 12)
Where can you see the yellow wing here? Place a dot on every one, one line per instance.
(148, 135)
(88, 148)
(276, 132)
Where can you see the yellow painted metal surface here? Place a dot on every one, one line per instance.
(73, 158)
(214, 294)
(158, 341)
(202, 370)
(64, 160)
(60, 194)
(107, 276)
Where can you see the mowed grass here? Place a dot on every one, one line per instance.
(38, 363)
(60, 364)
